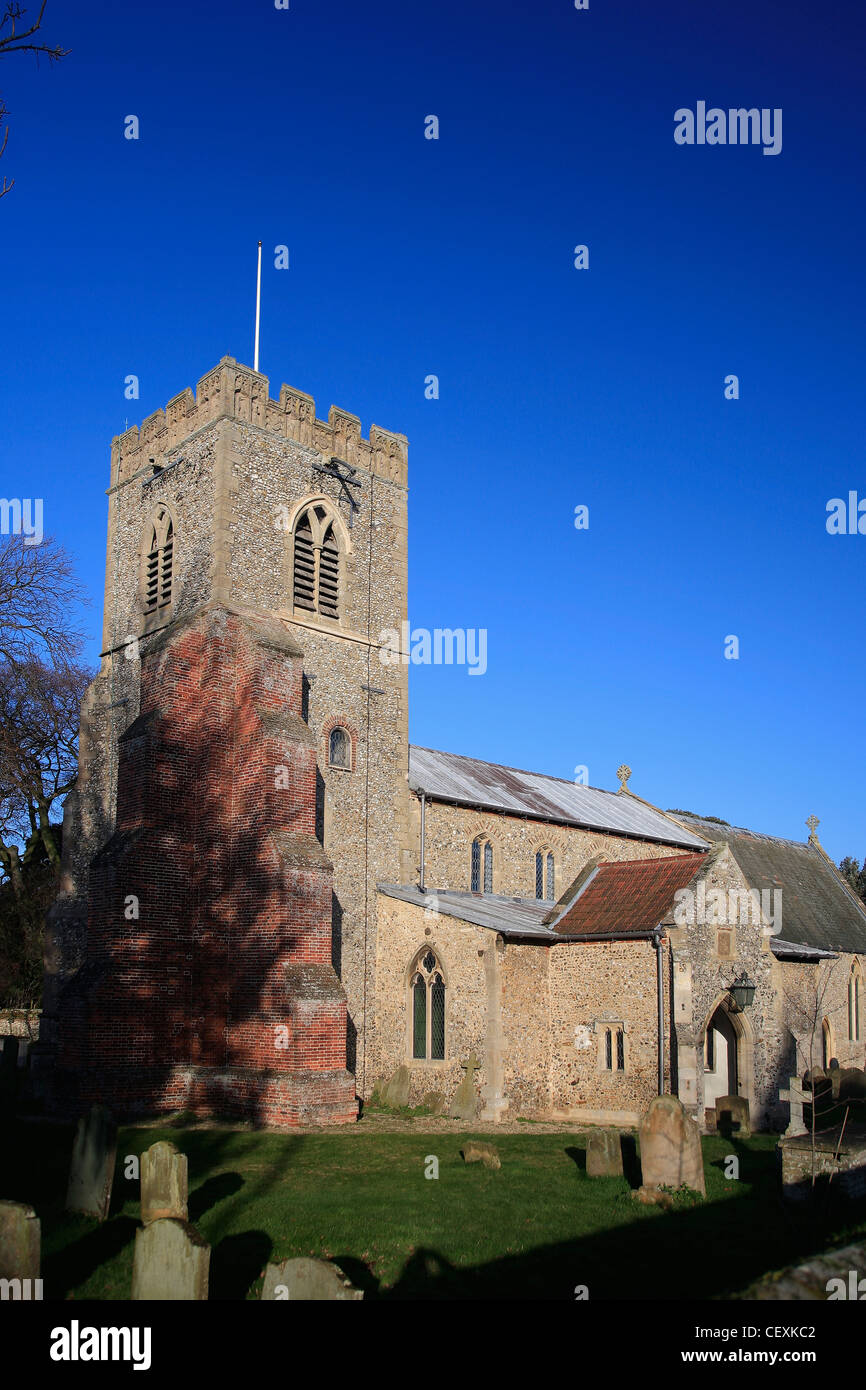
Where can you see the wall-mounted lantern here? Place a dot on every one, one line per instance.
(742, 992)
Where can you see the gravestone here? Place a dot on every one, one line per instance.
(9, 1059)
(476, 1152)
(316, 1281)
(604, 1154)
(164, 1183)
(732, 1116)
(396, 1091)
(434, 1101)
(171, 1263)
(796, 1096)
(91, 1171)
(670, 1147)
(19, 1241)
(465, 1102)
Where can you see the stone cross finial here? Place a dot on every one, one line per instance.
(813, 823)
(623, 773)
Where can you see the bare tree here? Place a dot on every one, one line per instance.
(38, 586)
(39, 717)
(14, 39)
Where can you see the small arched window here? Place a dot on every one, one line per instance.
(614, 1049)
(159, 562)
(481, 865)
(544, 875)
(427, 1001)
(340, 749)
(854, 1004)
(316, 563)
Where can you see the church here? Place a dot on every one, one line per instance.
(271, 903)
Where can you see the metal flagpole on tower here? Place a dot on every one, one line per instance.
(258, 309)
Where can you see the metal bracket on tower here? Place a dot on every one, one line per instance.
(345, 475)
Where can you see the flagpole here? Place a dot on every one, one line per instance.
(258, 309)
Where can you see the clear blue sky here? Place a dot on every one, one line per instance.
(558, 387)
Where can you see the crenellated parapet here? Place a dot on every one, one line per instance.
(232, 391)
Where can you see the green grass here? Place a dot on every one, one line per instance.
(534, 1229)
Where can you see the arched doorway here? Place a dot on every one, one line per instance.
(721, 1058)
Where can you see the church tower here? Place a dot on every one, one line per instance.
(244, 760)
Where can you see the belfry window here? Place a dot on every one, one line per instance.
(427, 1001)
(316, 563)
(481, 865)
(159, 562)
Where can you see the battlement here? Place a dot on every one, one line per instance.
(235, 392)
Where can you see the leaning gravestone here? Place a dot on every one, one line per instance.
(316, 1281)
(19, 1241)
(164, 1183)
(396, 1091)
(670, 1147)
(434, 1101)
(465, 1102)
(171, 1262)
(604, 1154)
(732, 1116)
(92, 1169)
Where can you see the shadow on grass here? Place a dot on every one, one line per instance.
(211, 1191)
(237, 1262)
(70, 1267)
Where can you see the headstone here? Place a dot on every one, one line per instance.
(19, 1241)
(852, 1084)
(92, 1169)
(164, 1183)
(171, 1263)
(796, 1096)
(670, 1147)
(396, 1091)
(476, 1152)
(732, 1116)
(604, 1154)
(465, 1102)
(10, 1054)
(434, 1101)
(835, 1077)
(316, 1281)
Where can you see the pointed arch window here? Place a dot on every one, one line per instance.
(159, 561)
(545, 875)
(854, 990)
(427, 1002)
(481, 865)
(316, 562)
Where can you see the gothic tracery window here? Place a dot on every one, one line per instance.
(316, 563)
(159, 561)
(427, 998)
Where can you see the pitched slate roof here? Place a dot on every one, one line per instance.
(634, 896)
(514, 917)
(489, 786)
(817, 908)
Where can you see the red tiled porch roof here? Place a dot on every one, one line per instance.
(630, 897)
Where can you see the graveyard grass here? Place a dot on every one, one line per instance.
(537, 1228)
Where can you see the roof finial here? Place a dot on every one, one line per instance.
(813, 823)
(623, 773)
